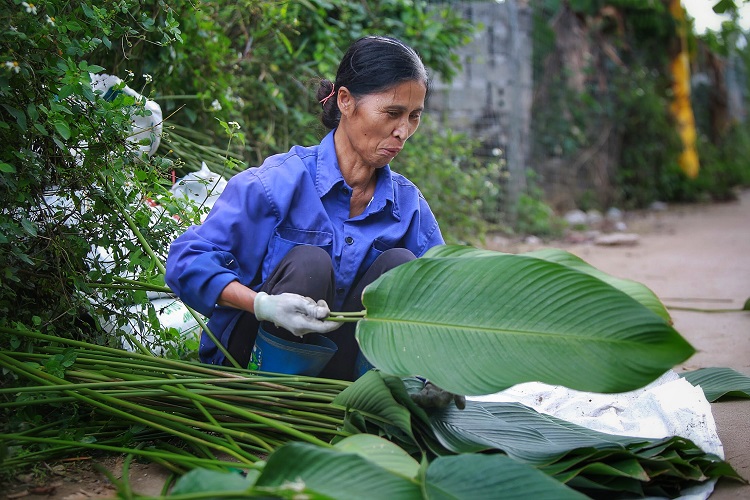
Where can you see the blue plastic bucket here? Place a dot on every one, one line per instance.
(361, 365)
(272, 354)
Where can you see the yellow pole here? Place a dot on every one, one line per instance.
(681, 108)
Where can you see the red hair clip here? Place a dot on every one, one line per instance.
(325, 99)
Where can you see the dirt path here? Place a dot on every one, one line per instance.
(695, 256)
(698, 257)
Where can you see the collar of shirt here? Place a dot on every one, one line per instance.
(328, 175)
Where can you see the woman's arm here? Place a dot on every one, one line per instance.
(238, 296)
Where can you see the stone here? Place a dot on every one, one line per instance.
(614, 214)
(658, 206)
(576, 218)
(617, 239)
(594, 218)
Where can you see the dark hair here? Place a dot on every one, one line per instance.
(371, 64)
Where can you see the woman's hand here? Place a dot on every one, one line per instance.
(295, 313)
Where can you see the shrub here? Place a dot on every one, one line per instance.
(463, 189)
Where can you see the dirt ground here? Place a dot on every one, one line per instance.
(699, 257)
(694, 256)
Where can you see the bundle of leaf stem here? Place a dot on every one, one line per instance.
(177, 413)
(194, 147)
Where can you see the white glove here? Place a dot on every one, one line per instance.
(295, 313)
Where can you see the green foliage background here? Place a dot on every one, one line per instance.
(627, 93)
(80, 246)
(77, 240)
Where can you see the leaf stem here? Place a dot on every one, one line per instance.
(346, 316)
(160, 265)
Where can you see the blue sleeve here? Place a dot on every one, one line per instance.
(430, 235)
(230, 245)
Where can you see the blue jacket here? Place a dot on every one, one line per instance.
(295, 198)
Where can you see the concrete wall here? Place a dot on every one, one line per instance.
(491, 98)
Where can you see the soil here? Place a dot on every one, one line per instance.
(692, 257)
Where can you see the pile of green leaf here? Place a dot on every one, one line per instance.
(235, 433)
(472, 321)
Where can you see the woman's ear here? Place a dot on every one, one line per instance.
(345, 100)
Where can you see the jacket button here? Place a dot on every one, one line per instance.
(349, 240)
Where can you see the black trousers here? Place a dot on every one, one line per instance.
(308, 271)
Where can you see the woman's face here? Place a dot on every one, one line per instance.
(376, 126)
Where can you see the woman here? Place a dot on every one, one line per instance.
(310, 228)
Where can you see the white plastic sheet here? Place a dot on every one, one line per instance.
(669, 406)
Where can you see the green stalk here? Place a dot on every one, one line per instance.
(301, 419)
(125, 490)
(118, 353)
(200, 407)
(105, 379)
(176, 96)
(701, 310)
(157, 261)
(190, 460)
(160, 366)
(185, 434)
(215, 427)
(318, 417)
(128, 284)
(165, 385)
(157, 382)
(346, 317)
(137, 343)
(142, 284)
(353, 314)
(256, 418)
(295, 386)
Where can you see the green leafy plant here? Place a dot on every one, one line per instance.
(602, 132)
(321, 437)
(476, 322)
(464, 190)
(719, 383)
(80, 244)
(64, 150)
(78, 194)
(533, 215)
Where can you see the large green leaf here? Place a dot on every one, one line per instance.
(340, 475)
(333, 473)
(638, 291)
(518, 431)
(480, 324)
(213, 482)
(373, 396)
(581, 457)
(720, 382)
(381, 452)
(476, 476)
